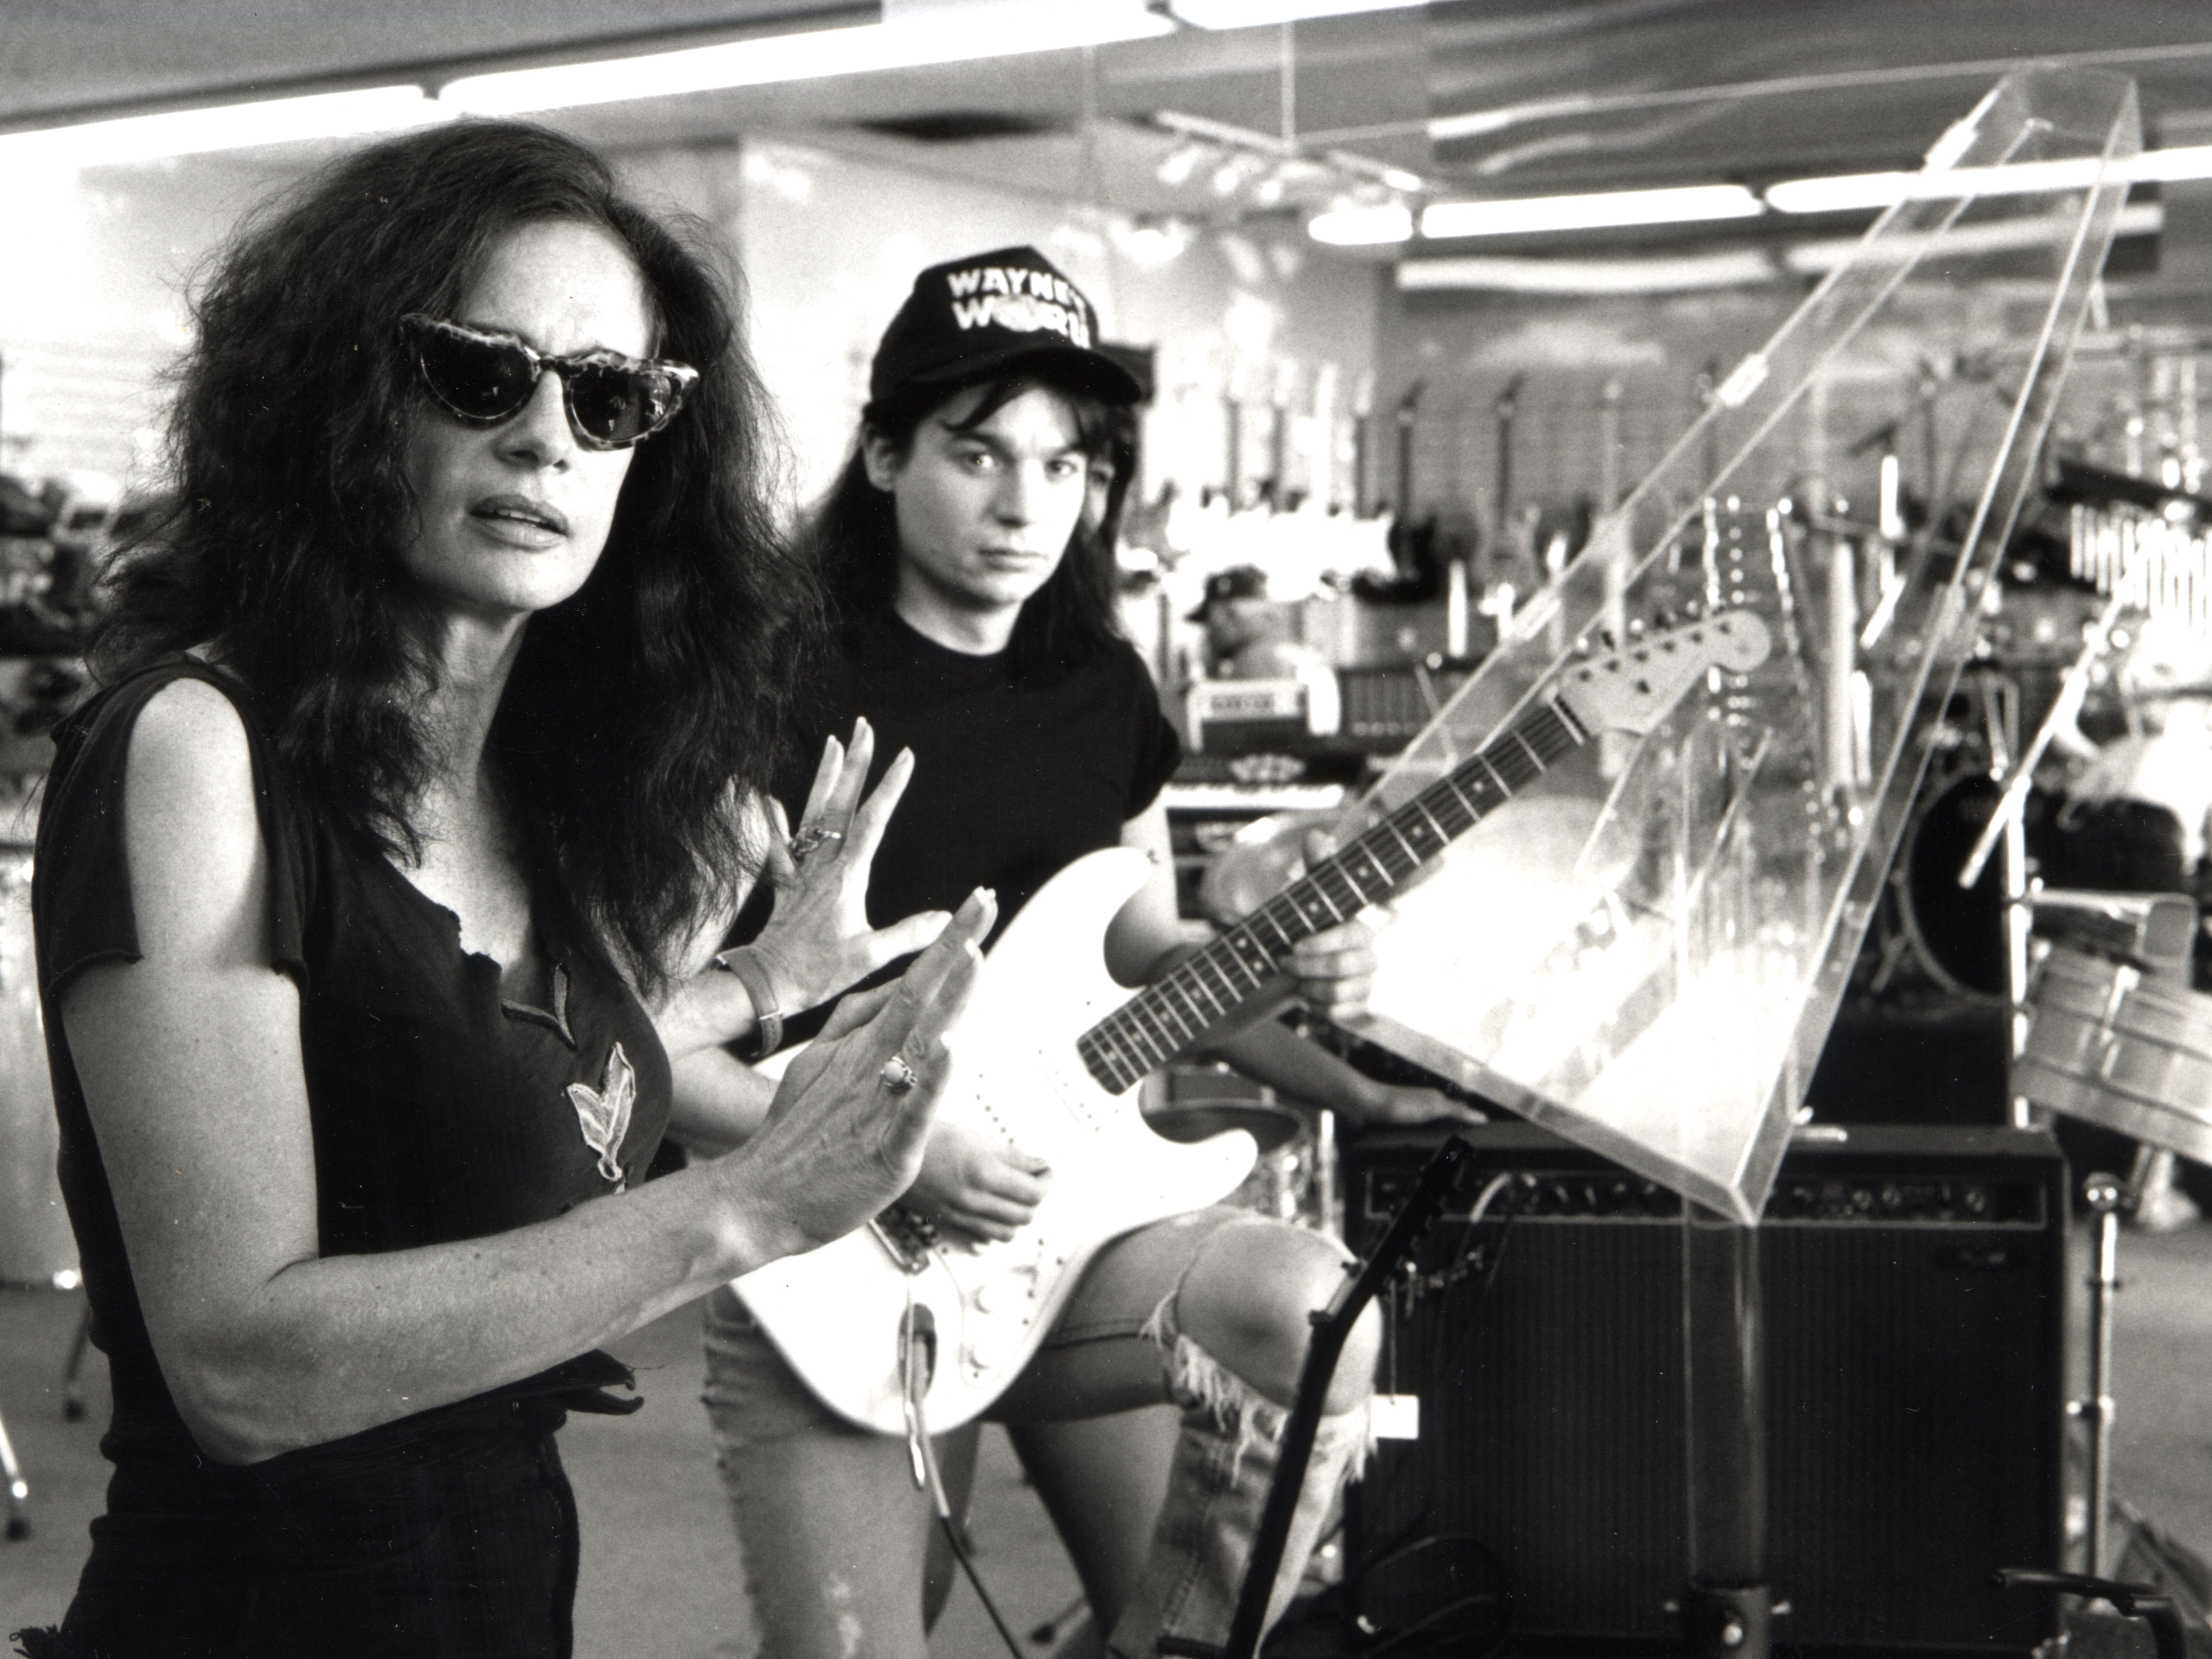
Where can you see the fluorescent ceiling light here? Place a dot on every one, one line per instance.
(1362, 227)
(1857, 191)
(1512, 216)
(1253, 13)
(222, 126)
(1962, 241)
(914, 36)
(1737, 268)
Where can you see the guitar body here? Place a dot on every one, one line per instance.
(835, 1314)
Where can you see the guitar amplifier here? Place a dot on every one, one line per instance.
(1914, 1296)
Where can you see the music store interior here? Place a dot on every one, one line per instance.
(1709, 498)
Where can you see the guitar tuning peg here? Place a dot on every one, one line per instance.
(1606, 637)
(1637, 627)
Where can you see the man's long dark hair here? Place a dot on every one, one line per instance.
(852, 534)
(640, 709)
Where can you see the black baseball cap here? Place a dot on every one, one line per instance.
(969, 318)
(1239, 581)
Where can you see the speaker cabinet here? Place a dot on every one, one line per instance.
(1913, 1289)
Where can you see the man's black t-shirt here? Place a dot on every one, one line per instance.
(1013, 779)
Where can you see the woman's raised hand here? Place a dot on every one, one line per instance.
(819, 941)
(852, 1115)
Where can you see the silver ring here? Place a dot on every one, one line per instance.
(896, 1075)
(810, 840)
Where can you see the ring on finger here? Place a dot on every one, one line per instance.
(896, 1075)
(809, 841)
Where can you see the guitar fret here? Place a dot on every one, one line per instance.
(1155, 1035)
(1267, 913)
(1390, 878)
(1155, 1016)
(1194, 973)
(1116, 1032)
(1204, 963)
(1188, 1014)
(1239, 940)
(1136, 1047)
(1503, 787)
(1442, 839)
(1341, 872)
(1412, 851)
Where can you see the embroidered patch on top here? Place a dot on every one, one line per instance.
(602, 1113)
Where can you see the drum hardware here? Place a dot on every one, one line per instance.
(2007, 824)
(2122, 1044)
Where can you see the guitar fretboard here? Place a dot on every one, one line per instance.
(1205, 988)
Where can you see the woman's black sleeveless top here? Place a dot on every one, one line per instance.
(440, 1112)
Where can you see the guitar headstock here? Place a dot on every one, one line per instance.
(1631, 688)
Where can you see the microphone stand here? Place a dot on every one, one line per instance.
(1439, 1179)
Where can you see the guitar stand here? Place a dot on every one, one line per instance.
(1440, 1178)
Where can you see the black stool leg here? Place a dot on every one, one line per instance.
(72, 1397)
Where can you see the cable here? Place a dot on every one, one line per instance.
(918, 1350)
(1422, 1636)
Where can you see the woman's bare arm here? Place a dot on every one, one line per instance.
(191, 1064)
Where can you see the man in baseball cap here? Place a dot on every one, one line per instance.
(967, 547)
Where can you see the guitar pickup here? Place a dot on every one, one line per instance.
(908, 1238)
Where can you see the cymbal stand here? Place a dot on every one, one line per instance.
(2103, 1193)
(2008, 824)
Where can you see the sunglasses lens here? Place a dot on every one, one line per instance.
(618, 405)
(477, 380)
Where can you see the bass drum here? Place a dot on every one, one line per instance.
(36, 1245)
(1955, 934)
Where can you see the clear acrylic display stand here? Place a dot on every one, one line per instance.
(1645, 952)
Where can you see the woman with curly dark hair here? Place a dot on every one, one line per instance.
(370, 897)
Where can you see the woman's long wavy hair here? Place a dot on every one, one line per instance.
(640, 710)
(853, 535)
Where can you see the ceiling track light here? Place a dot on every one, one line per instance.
(1240, 161)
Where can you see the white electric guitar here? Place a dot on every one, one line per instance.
(1049, 1046)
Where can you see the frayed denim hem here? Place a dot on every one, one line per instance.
(1199, 1382)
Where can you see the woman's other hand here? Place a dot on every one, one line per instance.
(818, 940)
(843, 1137)
(977, 1188)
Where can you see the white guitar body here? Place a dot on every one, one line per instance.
(835, 1313)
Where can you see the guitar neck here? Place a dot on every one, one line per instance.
(1205, 988)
